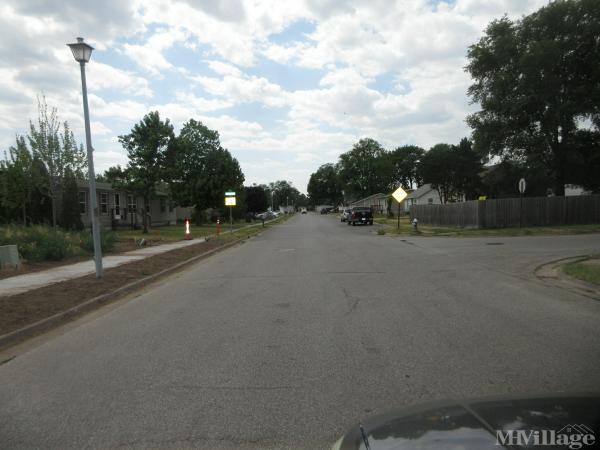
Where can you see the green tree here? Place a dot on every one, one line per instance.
(284, 193)
(404, 161)
(199, 170)
(453, 170)
(466, 170)
(146, 147)
(324, 186)
(186, 160)
(116, 176)
(537, 80)
(56, 149)
(221, 172)
(434, 167)
(256, 199)
(17, 180)
(364, 170)
(70, 217)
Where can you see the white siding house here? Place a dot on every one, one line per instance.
(120, 209)
(377, 202)
(424, 195)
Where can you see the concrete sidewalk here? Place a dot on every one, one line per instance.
(27, 282)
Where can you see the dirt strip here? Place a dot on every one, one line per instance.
(18, 311)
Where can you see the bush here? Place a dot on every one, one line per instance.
(43, 243)
(107, 241)
(381, 231)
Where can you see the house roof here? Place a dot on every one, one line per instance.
(420, 191)
(379, 195)
(108, 187)
(99, 185)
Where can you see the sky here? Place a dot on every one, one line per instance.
(289, 85)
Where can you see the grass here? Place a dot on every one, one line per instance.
(173, 233)
(582, 271)
(430, 230)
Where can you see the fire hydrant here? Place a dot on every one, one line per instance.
(415, 222)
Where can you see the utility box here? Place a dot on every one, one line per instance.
(9, 257)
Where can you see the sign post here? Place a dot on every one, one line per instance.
(399, 195)
(230, 200)
(522, 186)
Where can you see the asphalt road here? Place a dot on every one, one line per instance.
(291, 338)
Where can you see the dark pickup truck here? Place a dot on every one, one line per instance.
(360, 215)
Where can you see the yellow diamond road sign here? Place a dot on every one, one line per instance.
(399, 194)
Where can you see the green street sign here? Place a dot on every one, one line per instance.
(229, 194)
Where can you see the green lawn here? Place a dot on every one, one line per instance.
(586, 272)
(429, 230)
(172, 233)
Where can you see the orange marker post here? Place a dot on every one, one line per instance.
(188, 234)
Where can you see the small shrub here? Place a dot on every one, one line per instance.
(40, 243)
(107, 241)
(54, 247)
(381, 231)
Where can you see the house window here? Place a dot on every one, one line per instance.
(131, 203)
(430, 201)
(103, 202)
(82, 202)
(163, 205)
(117, 204)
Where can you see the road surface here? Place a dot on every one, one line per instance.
(291, 338)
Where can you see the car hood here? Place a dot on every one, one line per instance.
(474, 423)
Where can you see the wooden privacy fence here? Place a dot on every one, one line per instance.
(512, 212)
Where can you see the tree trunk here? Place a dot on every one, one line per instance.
(559, 171)
(145, 212)
(53, 211)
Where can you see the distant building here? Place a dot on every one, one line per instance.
(120, 209)
(318, 208)
(575, 189)
(377, 202)
(289, 209)
(424, 195)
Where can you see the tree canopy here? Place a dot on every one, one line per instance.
(360, 169)
(146, 146)
(537, 81)
(324, 186)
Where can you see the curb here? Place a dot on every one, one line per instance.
(20, 335)
(551, 273)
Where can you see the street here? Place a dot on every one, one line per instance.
(291, 338)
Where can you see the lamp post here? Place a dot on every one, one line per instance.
(82, 53)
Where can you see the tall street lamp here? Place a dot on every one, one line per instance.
(82, 53)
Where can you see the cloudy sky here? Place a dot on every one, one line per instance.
(289, 85)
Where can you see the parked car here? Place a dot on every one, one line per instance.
(360, 215)
(345, 214)
(324, 210)
(303, 210)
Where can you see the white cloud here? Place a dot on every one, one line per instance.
(103, 76)
(150, 55)
(393, 70)
(240, 88)
(98, 128)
